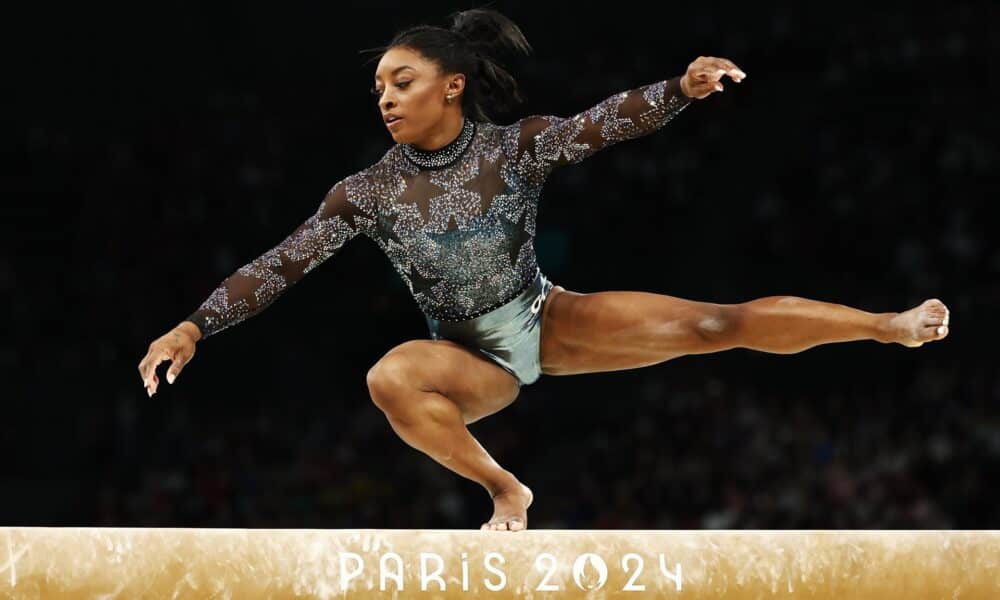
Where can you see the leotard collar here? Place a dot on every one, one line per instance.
(445, 156)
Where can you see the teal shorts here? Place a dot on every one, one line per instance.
(509, 335)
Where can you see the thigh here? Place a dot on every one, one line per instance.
(611, 331)
(477, 385)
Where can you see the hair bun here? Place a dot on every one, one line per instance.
(474, 43)
(489, 32)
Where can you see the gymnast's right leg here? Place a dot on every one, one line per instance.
(429, 390)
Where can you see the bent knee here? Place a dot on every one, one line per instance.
(390, 378)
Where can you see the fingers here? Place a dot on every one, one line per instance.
(727, 67)
(149, 378)
(710, 70)
(146, 365)
(704, 76)
(147, 368)
(717, 67)
(180, 360)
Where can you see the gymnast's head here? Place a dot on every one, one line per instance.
(430, 77)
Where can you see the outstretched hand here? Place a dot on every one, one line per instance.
(177, 346)
(704, 76)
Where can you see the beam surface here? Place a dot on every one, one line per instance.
(259, 563)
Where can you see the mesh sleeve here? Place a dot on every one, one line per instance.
(537, 144)
(257, 284)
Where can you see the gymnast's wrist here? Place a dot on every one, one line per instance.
(190, 329)
(680, 88)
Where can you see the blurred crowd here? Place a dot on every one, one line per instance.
(708, 456)
(853, 165)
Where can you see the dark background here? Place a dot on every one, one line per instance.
(153, 150)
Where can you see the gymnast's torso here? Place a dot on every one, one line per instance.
(457, 223)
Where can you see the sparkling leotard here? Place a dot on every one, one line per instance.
(457, 223)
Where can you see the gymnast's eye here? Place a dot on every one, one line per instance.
(403, 84)
(374, 92)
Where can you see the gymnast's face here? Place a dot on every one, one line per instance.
(414, 89)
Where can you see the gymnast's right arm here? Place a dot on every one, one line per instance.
(257, 284)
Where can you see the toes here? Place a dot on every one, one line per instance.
(935, 331)
(515, 524)
(935, 313)
(935, 306)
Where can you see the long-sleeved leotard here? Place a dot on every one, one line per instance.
(458, 224)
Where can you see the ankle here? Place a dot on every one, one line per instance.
(505, 483)
(885, 329)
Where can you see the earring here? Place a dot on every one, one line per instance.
(450, 98)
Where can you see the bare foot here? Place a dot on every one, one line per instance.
(510, 509)
(925, 323)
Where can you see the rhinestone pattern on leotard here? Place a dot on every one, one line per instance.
(458, 224)
(442, 157)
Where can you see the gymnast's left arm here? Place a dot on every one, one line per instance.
(539, 143)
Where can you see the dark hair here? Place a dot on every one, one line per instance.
(473, 46)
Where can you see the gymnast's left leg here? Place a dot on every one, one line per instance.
(609, 331)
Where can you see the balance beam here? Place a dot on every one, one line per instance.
(47, 563)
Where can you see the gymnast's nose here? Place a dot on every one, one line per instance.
(387, 102)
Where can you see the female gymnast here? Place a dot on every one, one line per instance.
(453, 205)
